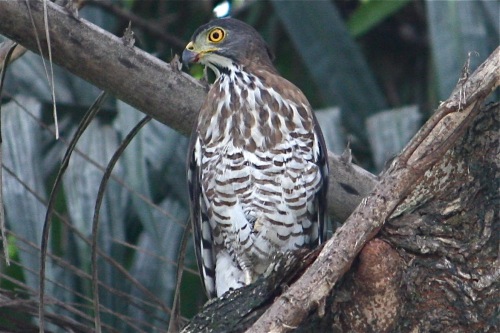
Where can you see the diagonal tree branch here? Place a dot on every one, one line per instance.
(145, 82)
(104, 60)
(427, 147)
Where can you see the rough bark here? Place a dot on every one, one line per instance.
(444, 248)
(145, 82)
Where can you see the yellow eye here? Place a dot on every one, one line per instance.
(216, 35)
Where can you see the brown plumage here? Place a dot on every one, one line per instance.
(257, 163)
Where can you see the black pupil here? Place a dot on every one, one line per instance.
(215, 35)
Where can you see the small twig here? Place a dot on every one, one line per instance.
(112, 262)
(173, 324)
(95, 221)
(50, 78)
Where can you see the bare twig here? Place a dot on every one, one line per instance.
(136, 302)
(95, 221)
(50, 77)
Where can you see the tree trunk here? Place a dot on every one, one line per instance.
(436, 267)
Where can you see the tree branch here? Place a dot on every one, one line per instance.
(104, 60)
(426, 148)
(145, 82)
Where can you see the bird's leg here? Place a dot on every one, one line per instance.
(248, 276)
(245, 266)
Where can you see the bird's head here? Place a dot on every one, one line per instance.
(223, 43)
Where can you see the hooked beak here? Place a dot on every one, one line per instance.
(192, 55)
(189, 55)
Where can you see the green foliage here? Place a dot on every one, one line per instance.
(457, 30)
(370, 13)
(333, 59)
(13, 270)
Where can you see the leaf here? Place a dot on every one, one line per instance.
(26, 74)
(370, 13)
(389, 132)
(81, 183)
(22, 157)
(333, 59)
(458, 28)
(155, 264)
(155, 165)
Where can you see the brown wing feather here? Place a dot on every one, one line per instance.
(322, 162)
(203, 242)
(289, 91)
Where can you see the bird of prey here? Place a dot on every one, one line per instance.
(257, 164)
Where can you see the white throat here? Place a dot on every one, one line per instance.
(217, 63)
